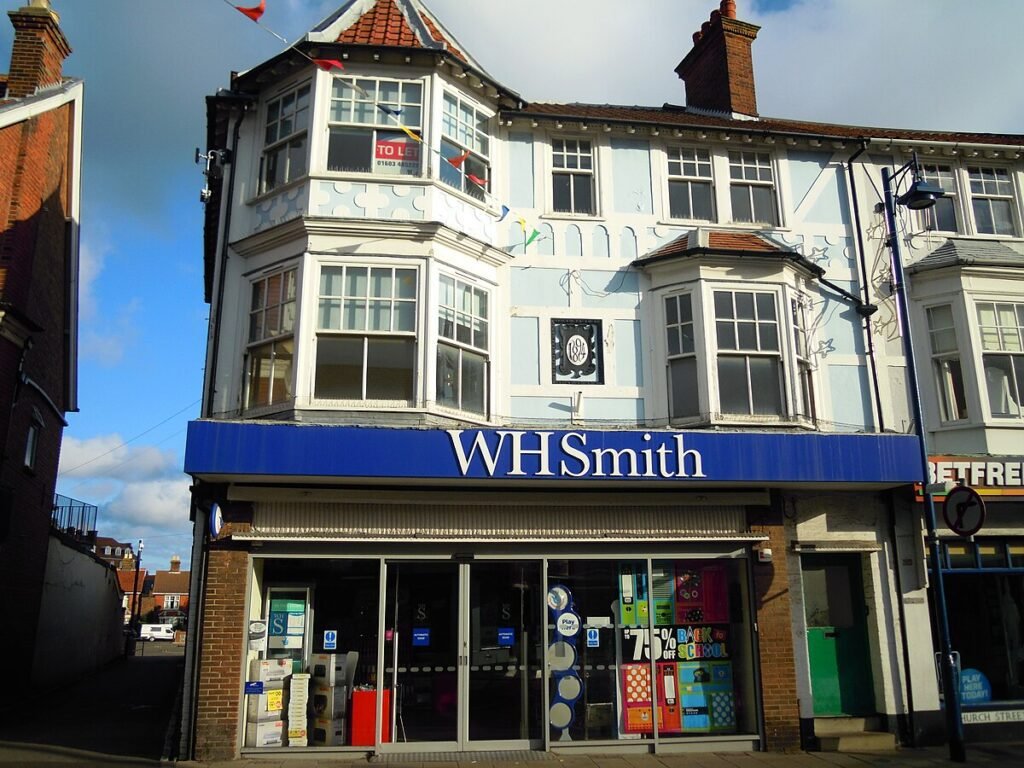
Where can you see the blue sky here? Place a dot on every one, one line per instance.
(149, 65)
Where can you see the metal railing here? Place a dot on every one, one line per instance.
(73, 518)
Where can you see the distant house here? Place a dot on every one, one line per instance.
(126, 580)
(170, 593)
(117, 553)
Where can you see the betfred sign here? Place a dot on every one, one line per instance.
(989, 476)
(396, 154)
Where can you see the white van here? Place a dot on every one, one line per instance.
(153, 632)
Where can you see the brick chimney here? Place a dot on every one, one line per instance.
(719, 71)
(175, 564)
(39, 49)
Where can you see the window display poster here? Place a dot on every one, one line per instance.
(675, 643)
(396, 154)
(287, 625)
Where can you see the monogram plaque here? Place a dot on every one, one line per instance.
(576, 352)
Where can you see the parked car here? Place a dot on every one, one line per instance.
(153, 632)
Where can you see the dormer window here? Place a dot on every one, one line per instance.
(466, 141)
(285, 138)
(364, 126)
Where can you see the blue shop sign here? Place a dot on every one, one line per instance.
(303, 450)
(974, 687)
(421, 637)
(506, 637)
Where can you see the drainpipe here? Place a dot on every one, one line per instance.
(862, 262)
(211, 382)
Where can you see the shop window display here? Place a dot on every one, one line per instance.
(609, 620)
(312, 654)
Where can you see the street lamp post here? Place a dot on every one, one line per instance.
(922, 195)
(135, 590)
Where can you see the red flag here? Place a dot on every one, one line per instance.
(328, 64)
(476, 180)
(255, 12)
(458, 161)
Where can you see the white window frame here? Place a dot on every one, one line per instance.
(984, 189)
(1002, 338)
(281, 145)
(947, 364)
(682, 360)
(463, 329)
(943, 175)
(460, 135)
(349, 111)
(683, 168)
(805, 396)
(749, 355)
(172, 602)
(752, 170)
(271, 337)
(347, 316)
(567, 155)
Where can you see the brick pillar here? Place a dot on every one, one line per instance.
(223, 623)
(39, 50)
(775, 637)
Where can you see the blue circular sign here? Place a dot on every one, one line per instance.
(216, 520)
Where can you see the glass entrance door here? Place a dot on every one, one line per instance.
(463, 655)
(505, 662)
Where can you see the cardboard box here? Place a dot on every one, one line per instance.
(329, 702)
(269, 734)
(269, 705)
(269, 670)
(328, 668)
(328, 733)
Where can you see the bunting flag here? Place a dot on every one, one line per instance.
(410, 134)
(255, 12)
(389, 110)
(504, 212)
(328, 64)
(522, 223)
(533, 236)
(458, 161)
(477, 180)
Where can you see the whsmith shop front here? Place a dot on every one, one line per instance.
(984, 581)
(484, 589)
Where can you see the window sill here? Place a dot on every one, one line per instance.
(552, 216)
(281, 188)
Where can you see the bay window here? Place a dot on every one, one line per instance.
(682, 359)
(749, 359)
(572, 161)
(271, 346)
(364, 136)
(462, 348)
(1001, 327)
(689, 184)
(752, 188)
(802, 359)
(366, 333)
(465, 135)
(285, 140)
(949, 378)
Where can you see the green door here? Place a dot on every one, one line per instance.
(837, 638)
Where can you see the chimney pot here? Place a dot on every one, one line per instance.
(728, 9)
(704, 28)
(696, 37)
(715, 16)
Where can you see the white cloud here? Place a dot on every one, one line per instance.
(92, 255)
(105, 456)
(106, 341)
(161, 504)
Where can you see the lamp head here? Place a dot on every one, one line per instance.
(922, 194)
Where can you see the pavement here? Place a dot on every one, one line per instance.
(125, 715)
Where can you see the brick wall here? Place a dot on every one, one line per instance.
(223, 627)
(34, 202)
(38, 53)
(775, 637)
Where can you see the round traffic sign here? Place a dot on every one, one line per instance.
(964, 511)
